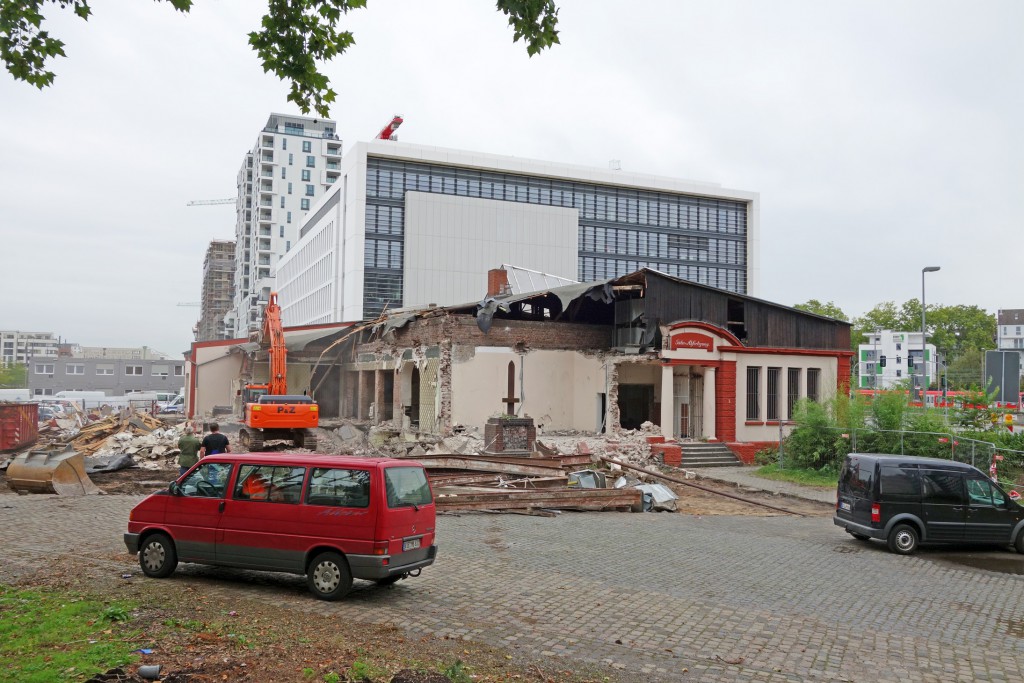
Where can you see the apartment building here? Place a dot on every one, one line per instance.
(218, 291)
(890, 357)
(113, 374)
(293, 163)
(17, 346)
(1010, 331)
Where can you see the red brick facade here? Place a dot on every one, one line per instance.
(725, 401)
(747, 450)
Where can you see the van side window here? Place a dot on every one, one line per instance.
(406, 486)
(942, 488)
(900, 483)
(209, 480)
(982, 492)
(339, 488)
(276, 484)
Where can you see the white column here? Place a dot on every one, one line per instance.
(668, 402)
(709, 403)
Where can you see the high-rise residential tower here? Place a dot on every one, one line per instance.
(294, 161)
(218, 290)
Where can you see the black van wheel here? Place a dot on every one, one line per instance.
(903, 539)
(157, 556)
(1019, 545)
(328, 576)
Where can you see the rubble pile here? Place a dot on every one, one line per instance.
(147, 439)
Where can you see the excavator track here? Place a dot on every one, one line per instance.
(307, 439)
(255, 441)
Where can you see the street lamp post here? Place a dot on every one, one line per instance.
(924, 336)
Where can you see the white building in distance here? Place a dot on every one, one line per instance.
(411, 225)
(17, 346)
(891, 357)
(294, 161)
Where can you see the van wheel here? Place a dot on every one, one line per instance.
(1019, 545)
(903, 539)
(328, 576)
(860, 537)
(157, 557)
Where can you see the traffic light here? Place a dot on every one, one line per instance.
(881, 361)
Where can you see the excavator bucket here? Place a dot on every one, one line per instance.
(62, 473)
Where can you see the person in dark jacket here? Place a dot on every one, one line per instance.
(214, 442)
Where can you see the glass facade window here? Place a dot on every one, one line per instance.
(305, 174)
(307, 146)
(620, 229)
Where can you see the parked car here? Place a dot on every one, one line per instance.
(332, 518)
(907, 501)
(47, 413)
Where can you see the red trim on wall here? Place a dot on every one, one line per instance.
(786, 352)
(725, 401)
(745, 451)
(192, 383)
(698, 363)
(725, 334)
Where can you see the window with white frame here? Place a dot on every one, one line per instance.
(105, 369)
(159, 370)
(813, 383)
(179, 370)
(44, 368)
(133, 370)
(753, 393)
(42, 392)
(74, 369)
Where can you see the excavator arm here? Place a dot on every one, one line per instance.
(273, 335)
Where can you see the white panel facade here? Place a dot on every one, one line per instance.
(451, 243)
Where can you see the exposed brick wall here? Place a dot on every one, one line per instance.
(725, 401)
(746, 451)
(462, 330)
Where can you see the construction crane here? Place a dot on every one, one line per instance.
(189, 303)
(388, 131)
(270, 411)
(210, 202)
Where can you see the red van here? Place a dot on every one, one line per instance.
(330, 517)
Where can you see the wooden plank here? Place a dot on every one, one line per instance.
(471, 464)
(576, 499)
(552, 463)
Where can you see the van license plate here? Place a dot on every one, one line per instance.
(411, 544)
(845, 506)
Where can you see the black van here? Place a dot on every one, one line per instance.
(906, 500)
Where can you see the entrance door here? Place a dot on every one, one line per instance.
(696, 411)
(635, 405)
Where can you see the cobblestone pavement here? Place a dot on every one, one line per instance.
(658, 597)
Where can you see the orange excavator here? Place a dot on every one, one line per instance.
(276, 414)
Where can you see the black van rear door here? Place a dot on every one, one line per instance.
(943, 505)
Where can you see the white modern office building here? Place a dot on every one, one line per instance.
(293, 163)
(410, 225)
(17, 346)
(891, 357)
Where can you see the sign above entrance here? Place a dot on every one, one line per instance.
(693, 340)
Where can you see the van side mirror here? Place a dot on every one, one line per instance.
(174, 488)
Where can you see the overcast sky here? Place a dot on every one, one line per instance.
(881, 136)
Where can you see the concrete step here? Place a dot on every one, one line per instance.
(699, 454)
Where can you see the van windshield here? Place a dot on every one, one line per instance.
(406, 486)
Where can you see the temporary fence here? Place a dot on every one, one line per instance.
(984, 455)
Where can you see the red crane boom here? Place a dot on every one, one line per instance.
(389, 130)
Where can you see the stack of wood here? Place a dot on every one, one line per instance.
(535, 483)
(94, 436)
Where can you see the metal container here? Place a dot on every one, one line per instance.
(18, 425)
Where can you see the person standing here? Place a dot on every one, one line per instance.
(214, 442)
(189, 446)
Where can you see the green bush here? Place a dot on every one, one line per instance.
(769, 455)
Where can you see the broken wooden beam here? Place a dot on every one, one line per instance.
(478, 464)
(563, 499)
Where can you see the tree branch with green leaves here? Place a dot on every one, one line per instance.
(295, 38)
